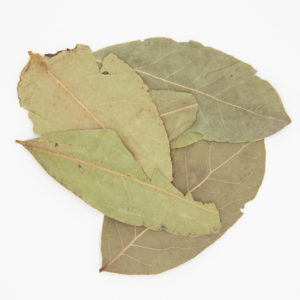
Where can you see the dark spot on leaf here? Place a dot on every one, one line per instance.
(80, 168)
(105, 73)
(51, 55)
(163, 227)
(56, 145)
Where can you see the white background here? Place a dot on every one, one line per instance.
(50, 240)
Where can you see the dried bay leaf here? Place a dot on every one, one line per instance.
(68, 91)
(96, 166)
(227, 174)
(178, 110)
(186, 139)
(234, 104)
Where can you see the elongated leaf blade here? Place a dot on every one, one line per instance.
(227, 174)
(96, 166)
(234, 104)
(68, 91)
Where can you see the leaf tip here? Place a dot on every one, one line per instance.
(19, 142)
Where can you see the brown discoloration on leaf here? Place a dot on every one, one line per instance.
(50, 55)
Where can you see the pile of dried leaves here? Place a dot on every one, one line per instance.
(164, 138)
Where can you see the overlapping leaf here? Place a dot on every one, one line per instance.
(186, 139)
(69, 91)
(178, 110)
(227, 174)
(96, 166)
(234, 104)
(201, 94)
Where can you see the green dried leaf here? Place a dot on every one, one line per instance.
(234, 104)
(178, 110)
(68, 91)
(96, 166)
(186, 139)
(228, 175)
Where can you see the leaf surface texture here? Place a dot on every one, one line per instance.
(234, 104)
(186, 139)
(68, 91)
(228, 175)
(178, 110)
(96, 166)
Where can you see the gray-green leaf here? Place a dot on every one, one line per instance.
(234, 104)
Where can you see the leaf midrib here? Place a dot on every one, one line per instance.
(212, 171)
(128, 177)
(36, 59)
(80, 103)
(113, 260)
(124, 249)
(64, 87)
(205, 94)
(177, 110)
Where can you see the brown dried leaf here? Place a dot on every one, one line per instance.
(227, 174)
